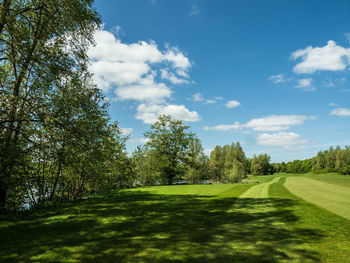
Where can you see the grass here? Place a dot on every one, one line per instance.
(184, 223)
(341, 180)
(332, 197)
(331, 241)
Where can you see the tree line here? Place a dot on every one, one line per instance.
(335, 159)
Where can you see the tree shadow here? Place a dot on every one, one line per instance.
(137, 226)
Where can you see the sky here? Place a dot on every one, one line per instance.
(273, 75)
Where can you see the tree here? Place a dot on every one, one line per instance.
(43, 47)
(197, 163)
(260, 164)
(216, 163)
(170, 140)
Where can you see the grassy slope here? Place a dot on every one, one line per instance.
(331, 197)
(342, 180)
(319, 230)
(204, 223)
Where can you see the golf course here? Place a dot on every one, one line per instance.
(283, 218)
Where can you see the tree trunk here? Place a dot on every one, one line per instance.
(5, 8)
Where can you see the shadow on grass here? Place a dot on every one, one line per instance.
(144, 227)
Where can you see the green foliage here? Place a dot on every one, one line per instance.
(331, 160)
(260, 165)
(169, 141)
(196, 163)
(56, 139)
(228, 163)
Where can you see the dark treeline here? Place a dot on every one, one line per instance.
(331, 160)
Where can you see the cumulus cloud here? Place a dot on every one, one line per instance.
(149, 113)
(342, 112)
(305, 84)
(282, 139)
(277, 78)
(120, 65)
(225, 127)
(139, 140)
(330, 57)
(165, 74)
(270, 123)
(232, 104)
(127, 131)
(145, 90)
(135, 72)
(276, 122)
(198, 97)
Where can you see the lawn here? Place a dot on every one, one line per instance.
(184, 223)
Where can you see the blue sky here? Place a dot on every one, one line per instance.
(273, 75)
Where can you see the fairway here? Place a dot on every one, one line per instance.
(184, 223)
(333, 197)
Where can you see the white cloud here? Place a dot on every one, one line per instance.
(145, 90)
(133, 66)
(210, 101)
(342, 112)
(277, 78)
(225, 127)
(133, 70)
(139, 140)
(330, 57)
(270, 123)
(198, 97)
(108, 73)
(332, 104)
(232, 104)
(276, 122)
(282, 139)
(305, 84)
(149, 113)
(165, 74)
(126, 131)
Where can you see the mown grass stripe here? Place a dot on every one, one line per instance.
(260, 190)
(333, 198)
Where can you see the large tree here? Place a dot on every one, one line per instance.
(43, 46)
(170, 140)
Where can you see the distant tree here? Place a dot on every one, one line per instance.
(260, 164)
(145, 166)
(170, 140)
(216, 163)
(197, 165)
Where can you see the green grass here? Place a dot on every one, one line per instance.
(326, 235)
(332, 197)
(342, 180)
(186, 223)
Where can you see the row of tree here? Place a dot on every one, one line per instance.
(56, 137)
(331, 160)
